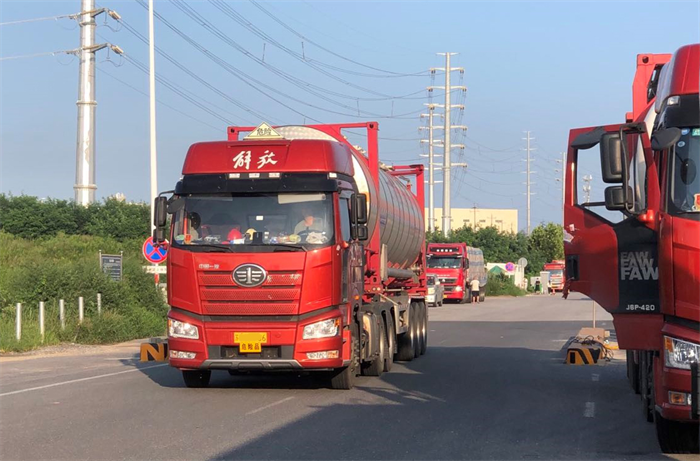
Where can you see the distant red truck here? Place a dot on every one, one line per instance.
(455, 265)
(556, 274)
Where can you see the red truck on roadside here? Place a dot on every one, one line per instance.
(292, 250)
(455, 265)
(642, 264)
(556, 274)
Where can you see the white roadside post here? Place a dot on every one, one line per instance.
(42, 329)
(81, 309)
(18, 322)
(99, 304)
(62, 313)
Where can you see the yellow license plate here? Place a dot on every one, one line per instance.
(250, 342)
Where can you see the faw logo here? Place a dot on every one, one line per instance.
(638, 265)
(249, 275)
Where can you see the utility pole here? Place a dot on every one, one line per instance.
(431, 164)
(528, 183)
(152, 92)
(447, 161)
(563, 178)
(85, 151)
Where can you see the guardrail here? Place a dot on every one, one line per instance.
(61, 315)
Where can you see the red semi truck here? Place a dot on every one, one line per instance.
(455, 265)
(644, 266)
(293, 251)
(556, 274)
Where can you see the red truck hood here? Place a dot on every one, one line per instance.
(295, 282)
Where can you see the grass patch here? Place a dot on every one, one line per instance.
(66, 267)
(502, 285)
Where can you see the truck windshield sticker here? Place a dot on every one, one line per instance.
(637, 265)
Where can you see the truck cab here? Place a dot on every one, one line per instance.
(455, 265)
(637, 251)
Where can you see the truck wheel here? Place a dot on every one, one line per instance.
(482, 297)
(344, 378)
(468, 293)
(676, 437)
(424, 328)
(390, 342)
(646, 385)
(418, 325)
(376, 367)
(196, 378)
(406, 341)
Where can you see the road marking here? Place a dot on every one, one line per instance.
(589, 411)
(268, 406)
(595, 377)
(81, 380)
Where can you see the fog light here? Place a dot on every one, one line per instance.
(679, 398)
(182, 355)
(322, 355)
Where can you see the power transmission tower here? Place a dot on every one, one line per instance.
(528, 183)
(85, 151)
(431, 166)
(587, 187)
(447, 161)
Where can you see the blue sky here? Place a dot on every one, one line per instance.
(544, 67)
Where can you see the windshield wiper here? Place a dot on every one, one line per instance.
(219, 246)
(279, 246)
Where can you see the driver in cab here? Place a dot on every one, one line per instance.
(311, 228)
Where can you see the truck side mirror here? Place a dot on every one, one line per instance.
(663, 139)
(615, 199)
(611, 158)
(159, 234)
(160, 218)
(160, 212)
(358, 209)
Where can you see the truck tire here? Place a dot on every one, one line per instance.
(344, 378)
(424, 327)
(376, 367)
(406, 341)
(390, 342)
(482, 296)
(196, 378)
(468, 293)
(646, 385)
(675, 436)
(418, 325)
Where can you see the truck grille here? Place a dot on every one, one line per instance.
(279, 294)
(447, 280)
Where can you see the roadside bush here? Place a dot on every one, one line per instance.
(502, 285)
(31, 218)
(66, 267)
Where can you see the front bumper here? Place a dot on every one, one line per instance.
(452, 293)
(285, 350)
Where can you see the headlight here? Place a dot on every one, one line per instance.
(431, 290)
(177, 329)
(322, 329)
(679, 353)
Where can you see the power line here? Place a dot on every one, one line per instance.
(47, 18)
(303, 37)
(127, 84)
(36, 55)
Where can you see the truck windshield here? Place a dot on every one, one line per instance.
(444, 262)
(685, 181)
(556, 273)
(241, 222)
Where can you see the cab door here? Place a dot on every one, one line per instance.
(611, 244)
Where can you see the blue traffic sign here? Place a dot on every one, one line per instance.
(155, 254)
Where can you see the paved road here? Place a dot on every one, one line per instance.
(492, 386)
